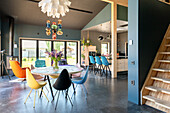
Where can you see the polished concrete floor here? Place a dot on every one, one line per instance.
(104, 96)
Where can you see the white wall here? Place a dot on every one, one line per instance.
(93, 35)
(122, 38)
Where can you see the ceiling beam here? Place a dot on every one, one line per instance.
(120, 2)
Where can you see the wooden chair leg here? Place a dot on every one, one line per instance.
(28, 96)
(34, 98)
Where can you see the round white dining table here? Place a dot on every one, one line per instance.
(52, 72)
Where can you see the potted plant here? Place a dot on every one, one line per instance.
(83, 56)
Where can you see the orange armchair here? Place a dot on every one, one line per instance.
(17, 70)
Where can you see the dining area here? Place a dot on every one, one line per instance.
(56, 80)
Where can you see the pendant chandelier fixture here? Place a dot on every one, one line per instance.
(54, 8)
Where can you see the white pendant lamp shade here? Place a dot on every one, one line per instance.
(54, 8)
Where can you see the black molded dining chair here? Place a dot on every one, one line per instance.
(63, 83)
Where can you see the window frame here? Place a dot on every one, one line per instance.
(52, 46)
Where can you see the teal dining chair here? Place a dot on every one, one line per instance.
(81, 81)
(40, 63)
(106, 64)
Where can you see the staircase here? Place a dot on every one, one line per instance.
(156, 89)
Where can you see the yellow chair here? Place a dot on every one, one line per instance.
(33, 84)
(54, 76)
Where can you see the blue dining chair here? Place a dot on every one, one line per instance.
(81, 81)
(92, 61)
(40, 63)
(106, 64)
(99, 62)
(62, 62)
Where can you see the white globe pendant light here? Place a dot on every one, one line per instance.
(54, 8)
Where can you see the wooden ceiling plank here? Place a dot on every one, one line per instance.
(120, 2)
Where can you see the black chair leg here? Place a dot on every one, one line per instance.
(70, 100)
(103, 70)
(66, 93)
(56, 93)
(109, 70)
(97, 70)
(100, 69)
(57, 100)
(106, 71)
(68, 97)
(73, 92)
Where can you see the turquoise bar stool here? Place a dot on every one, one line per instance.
(99, 64)
(106, 64)
(92, 61)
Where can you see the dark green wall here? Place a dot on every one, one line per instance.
(122, 13)
(32, 31)
(5, 33)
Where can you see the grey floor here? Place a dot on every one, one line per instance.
(104, 96)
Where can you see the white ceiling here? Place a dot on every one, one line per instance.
(106, 27)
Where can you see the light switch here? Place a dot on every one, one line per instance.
(130, 42)
(15, 45)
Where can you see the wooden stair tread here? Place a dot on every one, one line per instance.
(157, 89)
(164, 61)
(167, 53)
(161, 70)
(167, 45)
(168, 38)
(165, 80)
(157, 101)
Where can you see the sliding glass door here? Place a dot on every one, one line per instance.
(60, 46)
(31, 50)
(72, 53)
(28, 52)
(43, 47)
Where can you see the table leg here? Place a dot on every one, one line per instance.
(42, 87)
(50, 87)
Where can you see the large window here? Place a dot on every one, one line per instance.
(31, 50)
(104, 48)
(72, 53)
(60, 46)
(28, 52)
(43, 47)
